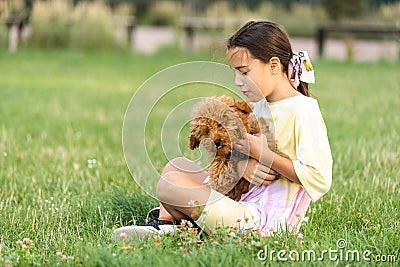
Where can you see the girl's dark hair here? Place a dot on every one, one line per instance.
(264, 40)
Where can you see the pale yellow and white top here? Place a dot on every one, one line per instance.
(301, 134)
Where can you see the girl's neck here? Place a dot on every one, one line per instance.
(282, 90)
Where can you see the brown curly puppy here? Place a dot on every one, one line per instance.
(217, 123)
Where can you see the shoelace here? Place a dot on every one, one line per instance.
(156, 222)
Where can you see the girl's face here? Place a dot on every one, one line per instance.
(251, 75)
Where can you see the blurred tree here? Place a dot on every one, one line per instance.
(337, 9)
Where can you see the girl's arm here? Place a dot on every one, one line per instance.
(285, 167)
(258, 149)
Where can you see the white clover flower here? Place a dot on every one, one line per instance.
(27, 241)
(300, 236)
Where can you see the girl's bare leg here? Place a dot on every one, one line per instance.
(181, 184)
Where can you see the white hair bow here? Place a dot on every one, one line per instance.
(300, 69)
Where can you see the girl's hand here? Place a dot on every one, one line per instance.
(255, 172)
(256, 146)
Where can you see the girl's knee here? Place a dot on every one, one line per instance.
(168, 184)
(173, 165)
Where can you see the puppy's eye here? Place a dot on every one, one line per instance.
(219, 124)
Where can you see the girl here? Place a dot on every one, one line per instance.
(273, 78)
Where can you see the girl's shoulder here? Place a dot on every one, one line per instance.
(296, 106)
(296, 103)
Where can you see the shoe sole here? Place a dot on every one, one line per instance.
(129, 233)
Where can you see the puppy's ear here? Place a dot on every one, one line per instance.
(243, 106)
(194, 142)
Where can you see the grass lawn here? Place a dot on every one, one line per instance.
(60, 111)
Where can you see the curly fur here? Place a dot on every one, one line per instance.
(217, 123)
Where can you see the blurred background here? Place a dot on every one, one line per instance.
(69, 68)
(358, 30)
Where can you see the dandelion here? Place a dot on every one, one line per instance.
(223, 240)
(353, 211)
(193, 231)
(64, 258)
(238, 220)
(157, 240)
(59, 254)
(359, 215)
(19, 243)
(123, 235)
(25, 247)
(348, 222)
(369, 214)
(300, 236)
(183, 235)
(265, 234)
(27, 241)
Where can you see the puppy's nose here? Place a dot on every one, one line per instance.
(217, 142)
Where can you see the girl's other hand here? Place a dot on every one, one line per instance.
(256, 146)
(255, 172)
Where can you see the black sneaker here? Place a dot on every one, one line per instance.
(155, 226)
(153, 214)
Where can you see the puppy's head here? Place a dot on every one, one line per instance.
(216, 126)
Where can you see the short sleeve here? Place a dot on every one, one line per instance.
(313, 165)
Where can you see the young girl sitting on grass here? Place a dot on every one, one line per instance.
(274, 79)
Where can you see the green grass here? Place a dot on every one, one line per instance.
(58, 110)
